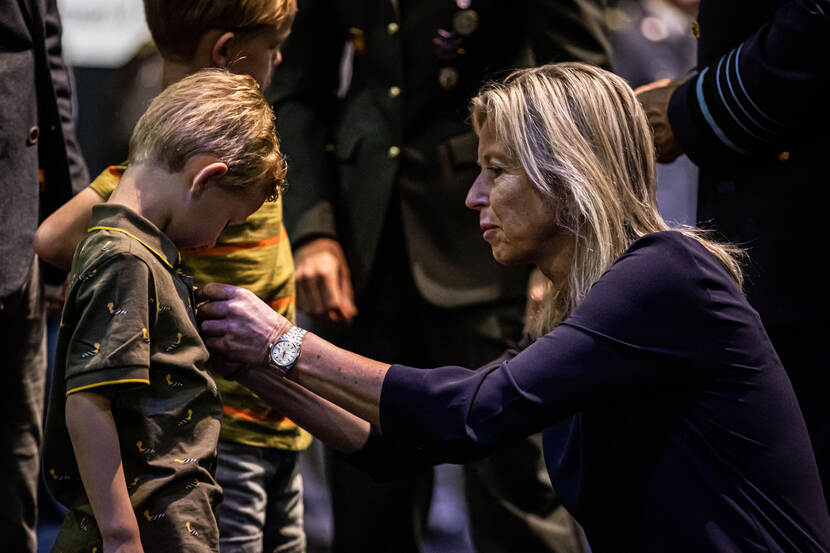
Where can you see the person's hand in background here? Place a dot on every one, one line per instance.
(324, 287)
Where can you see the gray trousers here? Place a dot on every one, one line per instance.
(23, 338)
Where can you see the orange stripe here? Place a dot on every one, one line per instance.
(247, 414)
(282, 302)
(231, 248)
(115, 171)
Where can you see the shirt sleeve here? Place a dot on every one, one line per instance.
(654, 319)
(105, 183)
(766, 95)
(62, 83)
(110, 342)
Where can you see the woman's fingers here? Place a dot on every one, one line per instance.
(216, 291)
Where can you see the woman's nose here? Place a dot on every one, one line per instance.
(477, 195)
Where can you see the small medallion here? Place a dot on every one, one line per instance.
(465, 22)
(448, 78)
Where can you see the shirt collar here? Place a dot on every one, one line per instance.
(120, 218)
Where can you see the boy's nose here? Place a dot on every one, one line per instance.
(477, 195)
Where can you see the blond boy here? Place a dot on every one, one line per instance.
(258, 447)
(130, 396)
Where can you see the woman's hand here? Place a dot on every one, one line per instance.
(238, 325)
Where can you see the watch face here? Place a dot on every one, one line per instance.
(284, 353)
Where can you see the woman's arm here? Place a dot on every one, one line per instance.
(240, 326)
(95, 441)
(336, 427)
(58, 236)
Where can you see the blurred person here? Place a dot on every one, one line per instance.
(652, 40)
(381, 157)
(669, 423)
(130, 397)
(754, 118)
(258, 447)
(40, 168)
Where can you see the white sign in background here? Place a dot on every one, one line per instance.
(102, 33)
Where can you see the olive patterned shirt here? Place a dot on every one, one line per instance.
(129, 330)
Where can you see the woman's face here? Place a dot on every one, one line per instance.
(516, 220)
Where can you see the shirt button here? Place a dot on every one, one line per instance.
(34, 134)
(394, 152)
(392, 28)
(394, 91)
(784, 156)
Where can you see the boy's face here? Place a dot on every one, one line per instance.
(198, 223)
(258, 54)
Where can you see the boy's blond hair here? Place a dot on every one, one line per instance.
(177, 26)
(218, 113)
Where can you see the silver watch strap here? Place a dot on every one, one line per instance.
(294, 334)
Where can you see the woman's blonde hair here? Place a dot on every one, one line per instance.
(213, 112)
(583, 139)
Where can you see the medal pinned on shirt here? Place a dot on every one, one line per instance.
(465, 22)
(449, 44)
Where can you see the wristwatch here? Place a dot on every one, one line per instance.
(283, 353)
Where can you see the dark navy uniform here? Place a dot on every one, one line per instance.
(384, 167)
(754, 119)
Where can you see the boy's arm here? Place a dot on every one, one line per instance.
(95, 441)
(58, 236)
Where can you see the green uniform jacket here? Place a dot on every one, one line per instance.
(398, 135)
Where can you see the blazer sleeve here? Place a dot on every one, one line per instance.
(766, 95)
(569, 30)
(303, 92)
(62, 82)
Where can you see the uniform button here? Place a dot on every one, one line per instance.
(329, 148)
(392, 28)
(784, 156)
(394, 91)
(34, 134)
(394, 152)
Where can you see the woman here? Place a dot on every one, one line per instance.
(669, 423)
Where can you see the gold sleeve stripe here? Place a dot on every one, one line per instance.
(109, 383)
(276, 305)
(241, 246)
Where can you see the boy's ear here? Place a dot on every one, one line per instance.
(208, 176)
(220, 53)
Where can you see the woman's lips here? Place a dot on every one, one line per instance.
(488, 231)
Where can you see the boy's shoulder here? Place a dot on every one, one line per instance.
(102, 247)
(116, 232)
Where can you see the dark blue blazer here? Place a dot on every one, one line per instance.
(755, 119)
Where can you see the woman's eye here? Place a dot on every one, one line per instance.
(495, 171)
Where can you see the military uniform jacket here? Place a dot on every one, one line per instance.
(395, 142)
(128, 329)
(755, 119)
(36, 131)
